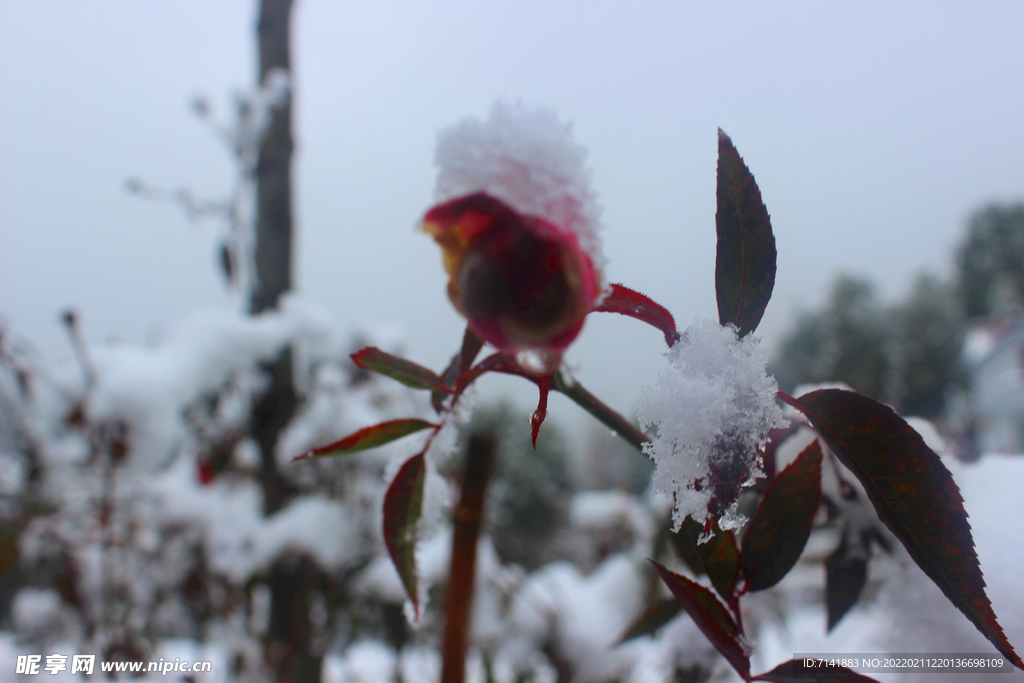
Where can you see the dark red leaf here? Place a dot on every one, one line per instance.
(657, 614)
(710, 615)
(780, 528)
(846, 571)
(728, 472)
(405, 371)
(776, 436)
(793, 671)
(626, 301)
(745, 264)
(403, 504)
(719, 557)
(537, 419)
(913, 493)
(471, 345)
(370, 437)
(685, 549)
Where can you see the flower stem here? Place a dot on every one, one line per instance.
(605, 415)
(466, 524)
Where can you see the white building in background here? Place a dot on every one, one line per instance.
(994, 355)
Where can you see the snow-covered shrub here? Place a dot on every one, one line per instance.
(138, 512)
(516, 241)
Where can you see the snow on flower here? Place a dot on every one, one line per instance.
(712, 408)
(527, 159)
(517, 224)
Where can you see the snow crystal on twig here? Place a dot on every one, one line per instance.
(712, 408)
(525, 157)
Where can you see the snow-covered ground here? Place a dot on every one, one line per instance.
(907, 614)
(525, 622)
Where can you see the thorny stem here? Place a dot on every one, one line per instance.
(568, 387)
(467, 521)
(604, 414)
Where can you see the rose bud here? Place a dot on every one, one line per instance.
(517, 224)
(522, 282)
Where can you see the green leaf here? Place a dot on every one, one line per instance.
(913, 493)
(403, 504)
(405, 371)
(793, 671)
(370, 437)
(711, 617)
(657, 614)
(780, 528)
(745, 263)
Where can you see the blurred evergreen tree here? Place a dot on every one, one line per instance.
(844, 342)
(928, 335)
(531, 489)
(905, 355)
(990, 262)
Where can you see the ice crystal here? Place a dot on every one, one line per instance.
(712, 409)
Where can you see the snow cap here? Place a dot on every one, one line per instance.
(712, 408)
(525, 157)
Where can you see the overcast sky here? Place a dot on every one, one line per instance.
(874, 129)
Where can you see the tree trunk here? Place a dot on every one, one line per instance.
(274, 168)
(274, 247)
(288, 651)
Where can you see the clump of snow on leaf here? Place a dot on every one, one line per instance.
(715, 389)
(525, 157)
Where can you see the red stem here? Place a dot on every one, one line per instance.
(466, 524)
(604, 414)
